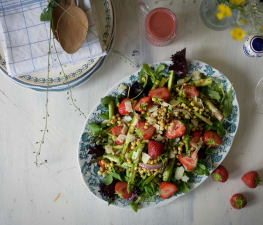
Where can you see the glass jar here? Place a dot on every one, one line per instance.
(208, 11)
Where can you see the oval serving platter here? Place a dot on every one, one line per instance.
(89, 172)
(78, 73)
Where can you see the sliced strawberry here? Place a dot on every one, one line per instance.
(117, 130)
(125, 107)
(120, 139)
(220, 174)
(238, 201)
(251, 179)
(144, 104)
(161, 92)
(175, 129)
(189, 163)
(195, 138)
(167, 189)
(121, 188)
(155, 149)
(101, 164)
(190, 90)
(212, 139)
(147, 133)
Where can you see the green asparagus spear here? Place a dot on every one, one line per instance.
(168, 171)
(130, 131)
(215, 112)
(203, 82)
(136, 162)
(171, 80)
(208, 121)
(113, 158)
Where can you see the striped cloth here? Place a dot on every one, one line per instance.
(25, 39)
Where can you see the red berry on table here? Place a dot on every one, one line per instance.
(143, 104)
(161, 92)
(167, 189)
(189, 163)
(220, 174)
(175, 129)
(125, 106)
(146, 132)
(155, 149)
(238, 201)
(212, 139)
(121, 188)
(251, 179)
(190, 90)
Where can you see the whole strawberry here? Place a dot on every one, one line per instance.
(220, 174)
(251, 179)
(238, 201)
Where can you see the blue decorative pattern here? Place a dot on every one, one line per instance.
(89, 172)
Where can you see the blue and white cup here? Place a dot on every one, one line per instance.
(253, 46)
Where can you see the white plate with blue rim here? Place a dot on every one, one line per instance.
(89, 171)
(78, 73)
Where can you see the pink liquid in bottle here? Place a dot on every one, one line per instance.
(160, 26)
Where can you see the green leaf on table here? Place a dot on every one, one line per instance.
(108, 180)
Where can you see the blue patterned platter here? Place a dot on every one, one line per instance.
(89, 172)
(80, 72)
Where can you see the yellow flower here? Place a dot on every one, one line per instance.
(243, 21)
(223, 11)
(237, 2)
(238, 34)
(262, 28)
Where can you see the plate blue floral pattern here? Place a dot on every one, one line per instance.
(60, 82)
(89, 172)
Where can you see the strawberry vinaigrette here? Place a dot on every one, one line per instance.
(160, 25)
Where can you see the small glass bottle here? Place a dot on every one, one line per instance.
(253, 46)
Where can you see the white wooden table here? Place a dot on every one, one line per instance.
(27, 193)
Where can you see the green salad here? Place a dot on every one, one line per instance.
(158, 134)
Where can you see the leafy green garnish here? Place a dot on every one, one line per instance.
(46, 14)
(106, 101)
(228, 103)
(134, 206)
(115, 175)
(183, 187)
(104, 116)
(108, 180)
(218, 127)
(215, 91)
(95, 128)
(201, 169)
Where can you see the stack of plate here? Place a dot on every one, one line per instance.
(77, 74)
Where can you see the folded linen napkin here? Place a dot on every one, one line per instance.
(25, 39)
